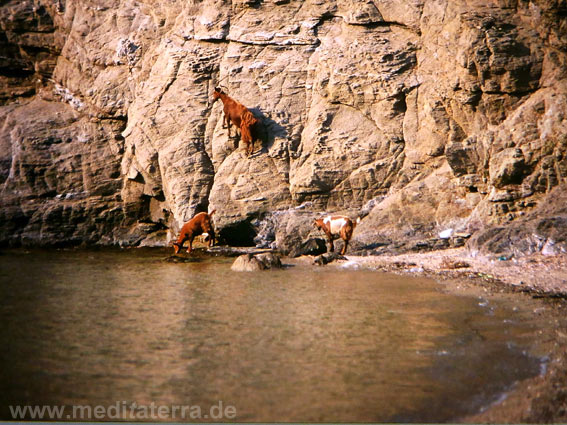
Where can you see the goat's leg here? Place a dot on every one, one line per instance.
(228, 124)
(246, 137)
(190, 247)
(343, 252)
(178, 244)
(332, 245)
(346, 234)
(330, 238)
(249, 146)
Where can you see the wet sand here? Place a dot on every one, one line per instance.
(540, 275)
(539, 400)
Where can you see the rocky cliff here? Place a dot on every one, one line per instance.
(423, 116)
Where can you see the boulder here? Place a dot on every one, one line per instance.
(270, 260)
(251, 263)
(312, 246)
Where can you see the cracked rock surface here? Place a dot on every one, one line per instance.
(419, 115)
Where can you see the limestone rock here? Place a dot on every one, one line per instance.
(63, 176)
(270, 260)
(30, 44)
(250, 263)
(359, 12)
(507, 167)
(543, 231)
(462, 156)
(418, 115)
(312, 246)
(247, 263)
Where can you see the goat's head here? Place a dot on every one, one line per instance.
(176, 247)
(217, 94)
(318, 223)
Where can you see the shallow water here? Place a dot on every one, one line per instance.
(113, 328)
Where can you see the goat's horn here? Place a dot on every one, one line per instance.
(223, 78)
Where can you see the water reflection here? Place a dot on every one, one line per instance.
(295, 345)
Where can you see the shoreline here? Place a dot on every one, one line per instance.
(538, 275)
(541, 399)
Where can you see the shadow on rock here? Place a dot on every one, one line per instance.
(312, 246)
(266, 131)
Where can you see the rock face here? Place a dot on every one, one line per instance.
(421, 115)
(543, 231)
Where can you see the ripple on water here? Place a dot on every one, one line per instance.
(302, 344)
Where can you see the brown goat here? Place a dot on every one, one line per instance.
(335, 227)
(198, 225)
(237, 114)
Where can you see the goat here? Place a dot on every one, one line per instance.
(237, 114)
(200, 224)
(335, 227)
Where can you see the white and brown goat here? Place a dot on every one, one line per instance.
(337, 226)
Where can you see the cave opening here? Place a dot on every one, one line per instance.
(238, 234)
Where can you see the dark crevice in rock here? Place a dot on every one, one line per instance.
(282, 44)
(121, 118)
(238, 234)
(384, 24)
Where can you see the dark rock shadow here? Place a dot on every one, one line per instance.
(312, 246)
(265, 130)
(238, 234)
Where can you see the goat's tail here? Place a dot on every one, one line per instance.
(355, 222)
(211, 213)
(248, 119)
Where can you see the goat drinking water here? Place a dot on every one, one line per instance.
(198, 225)
(335, 227)
(237, 114)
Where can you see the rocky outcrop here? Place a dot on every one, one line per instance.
(30, 44)
(419, 115)
(542, 231)
(312, 246)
